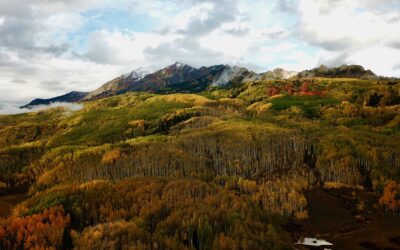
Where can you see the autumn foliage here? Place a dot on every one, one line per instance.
(147, 213)
(391, 197)
(38, 231)
(111, 156)
(311, 88)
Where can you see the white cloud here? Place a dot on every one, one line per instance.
(63, 73)
(380, 58)
(352, 31)
(8, 109)
(232, 47)
(124, 49)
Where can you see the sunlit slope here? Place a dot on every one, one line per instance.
(350, 128)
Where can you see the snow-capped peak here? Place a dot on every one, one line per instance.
(137, 74)
(179, 65)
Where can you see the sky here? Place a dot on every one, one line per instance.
(51, 47)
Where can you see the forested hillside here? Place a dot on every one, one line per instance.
(225, 168)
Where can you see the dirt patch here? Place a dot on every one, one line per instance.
(348, 218)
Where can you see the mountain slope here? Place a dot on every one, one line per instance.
(344, 71)
(235, 75)
(174, 78)
(73, 96)
(120, 83)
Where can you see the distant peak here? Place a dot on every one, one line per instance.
(323, 67)
(179, 65)
(137, 74)
(344, 71)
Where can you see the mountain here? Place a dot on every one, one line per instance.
(344, 71)
(177, 78)
(120, 83)
(73, 96)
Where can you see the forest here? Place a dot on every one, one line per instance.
(225, 168)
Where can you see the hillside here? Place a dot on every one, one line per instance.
(222, 168)
(73, 96)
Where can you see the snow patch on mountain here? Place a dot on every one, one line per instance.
(136, 74)
(179, 65)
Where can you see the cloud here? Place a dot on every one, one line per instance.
(339, 25)
(334, 59)
(344, 31)
(117, 48)
(286, 6)
(9, 109)
(52, 85)
(31, 27)
(206, 17)
(18, 81)
(205, 33)
(185, 50)
(237, 31)
(379, 58)
(47, 77)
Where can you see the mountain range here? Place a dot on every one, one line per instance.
(182, 78)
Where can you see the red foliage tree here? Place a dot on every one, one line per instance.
(272, 91)
(38, 231)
